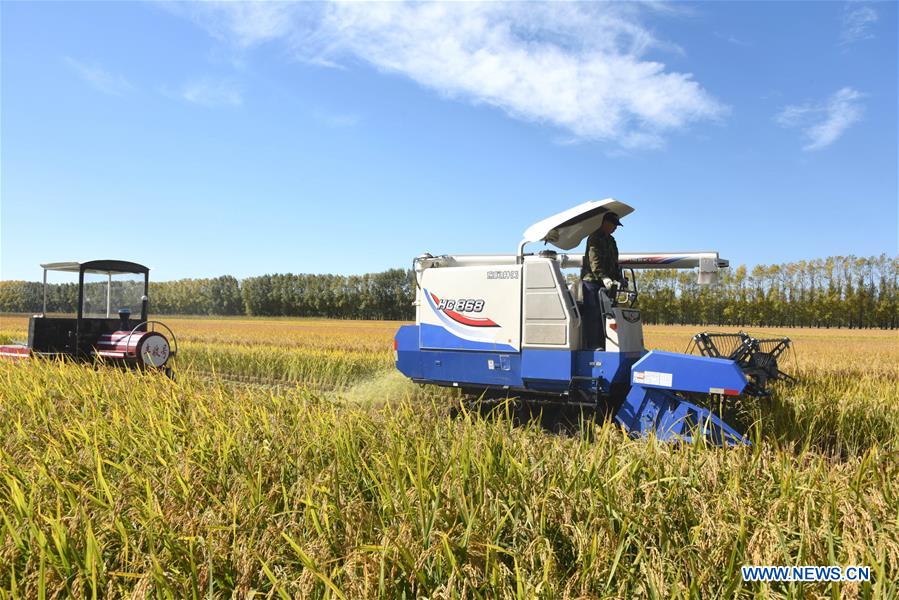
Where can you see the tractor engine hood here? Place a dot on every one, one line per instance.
(567, 229)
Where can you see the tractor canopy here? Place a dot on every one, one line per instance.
(568, 228)
(106, 288)
(104, 267)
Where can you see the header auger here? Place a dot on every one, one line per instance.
(509, 325)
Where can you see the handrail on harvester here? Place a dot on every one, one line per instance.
(708, 262)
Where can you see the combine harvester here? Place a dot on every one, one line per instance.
(103, 327)
(509, 325)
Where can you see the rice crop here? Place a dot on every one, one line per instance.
(314, 353)
(321, 369)
(318, 334)
(362, 484)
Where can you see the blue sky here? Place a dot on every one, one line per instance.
(208, 139)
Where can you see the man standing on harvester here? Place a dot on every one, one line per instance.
(600, 271)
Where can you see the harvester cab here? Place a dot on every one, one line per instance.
(111, 321)
(510, 325)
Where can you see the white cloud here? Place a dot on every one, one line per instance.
(246, 23)
(856, 23)
(208, 92)
(578, 67)
(99, 78)
(823, 123)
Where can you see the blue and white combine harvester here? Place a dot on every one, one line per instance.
(510, 325)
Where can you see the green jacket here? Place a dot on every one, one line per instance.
(601, 258)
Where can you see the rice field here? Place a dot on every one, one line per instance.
(289, 460)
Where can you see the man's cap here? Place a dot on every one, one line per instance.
(610, 216)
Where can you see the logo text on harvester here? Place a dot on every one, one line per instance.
(805, 573)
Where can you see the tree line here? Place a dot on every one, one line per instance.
(838, 291)
(387, 295)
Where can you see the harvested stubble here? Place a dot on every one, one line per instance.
(116, 484)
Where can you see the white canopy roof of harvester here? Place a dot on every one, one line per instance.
(106, 267)
(568, 228)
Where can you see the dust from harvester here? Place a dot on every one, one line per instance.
(384, 388)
